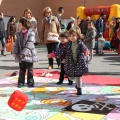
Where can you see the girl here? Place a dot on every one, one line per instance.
(89, 39)
(63, 37)
(24, 51)
(11, 28)
(75, 64)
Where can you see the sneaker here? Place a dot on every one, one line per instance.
(20, 85)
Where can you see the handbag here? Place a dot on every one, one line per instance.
(9, 45)
(53, 38)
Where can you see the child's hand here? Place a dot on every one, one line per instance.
(49, 56)
(86, 52)
(14, 55)
(22, 56)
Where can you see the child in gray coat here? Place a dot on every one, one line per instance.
(24, 51)
(100, 44)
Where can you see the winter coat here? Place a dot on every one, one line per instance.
(101, 42)
(84, 27)
(53, 27)
(99, 25)
(34, 25)
(90, 38)
(25, 46)
(2, 28)
(11, 29)
(74, 68)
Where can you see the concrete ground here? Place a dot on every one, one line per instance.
(107, 65)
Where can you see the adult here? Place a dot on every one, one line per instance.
(60, 13)
(2, 34)
(50, 25)
(90, 39)
(100, 27)
(84, 25)
(11, 28)
(71, 24)
(28, 14)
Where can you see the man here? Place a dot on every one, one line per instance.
(100, 27)
(84, 25)
(60, 13)
(2, 34)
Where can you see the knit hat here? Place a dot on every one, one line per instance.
(72, 19)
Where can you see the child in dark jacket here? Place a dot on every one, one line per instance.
(63, 37)
(25, 53)
(75, 64)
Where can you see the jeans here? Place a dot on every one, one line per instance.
(3, 45)
(50, 48)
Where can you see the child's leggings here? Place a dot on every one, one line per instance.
(78, 81)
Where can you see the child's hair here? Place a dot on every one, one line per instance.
(64, 34)
(77, 31)
(60, 9)
(100, 35)
(26, 23)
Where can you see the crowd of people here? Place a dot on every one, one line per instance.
(72, 48)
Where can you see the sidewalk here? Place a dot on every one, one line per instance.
(107, 65)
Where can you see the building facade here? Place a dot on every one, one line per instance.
(16, 7)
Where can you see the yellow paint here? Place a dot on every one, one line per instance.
(77, 115)
(43, 90)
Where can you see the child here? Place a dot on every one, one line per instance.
(75, 64)
(100, 44)
(63, 38)
(25, 53)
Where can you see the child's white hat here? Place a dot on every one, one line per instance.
(72, 19)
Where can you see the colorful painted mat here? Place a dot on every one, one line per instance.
(48, 101)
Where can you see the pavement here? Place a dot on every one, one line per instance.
(106, 65)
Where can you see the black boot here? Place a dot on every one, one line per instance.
(59, 82)
(70, 82)
(79, 91)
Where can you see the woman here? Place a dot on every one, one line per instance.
(50, 24)
(90, 39)
(28, 14)
(11, 28)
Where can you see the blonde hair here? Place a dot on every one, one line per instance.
(47, 9)
(77, 31)
(27, 10)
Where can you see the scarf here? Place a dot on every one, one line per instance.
(48, 19)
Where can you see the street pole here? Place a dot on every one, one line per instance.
(83, 3)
